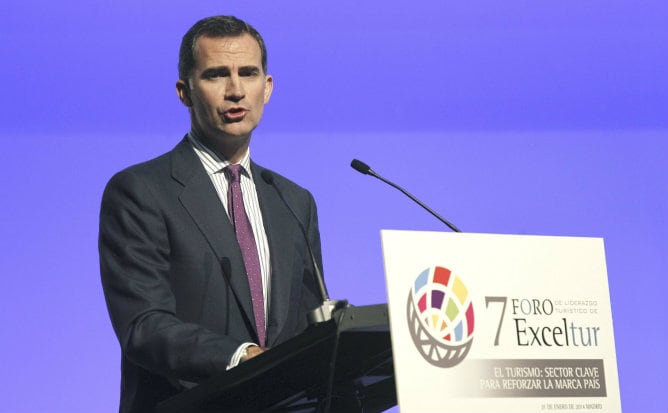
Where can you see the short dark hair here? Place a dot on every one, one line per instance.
(215, 26)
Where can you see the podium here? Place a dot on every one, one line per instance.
(341, 365)
(500, 323)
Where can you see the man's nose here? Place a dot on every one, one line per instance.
(234, 90)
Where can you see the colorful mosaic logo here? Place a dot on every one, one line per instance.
(440, 317)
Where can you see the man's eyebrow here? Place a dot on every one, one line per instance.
(225, 70)
(218, 70)
(249, 68)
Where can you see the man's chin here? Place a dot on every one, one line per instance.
(232, 134)
(236, 130)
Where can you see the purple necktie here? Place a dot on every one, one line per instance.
(244, 231)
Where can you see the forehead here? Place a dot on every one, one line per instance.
(227, 51)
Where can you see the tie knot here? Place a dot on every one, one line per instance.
(233, 172)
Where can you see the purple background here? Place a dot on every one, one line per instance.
(516, 117)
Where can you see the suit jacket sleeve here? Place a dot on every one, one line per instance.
(136, 259)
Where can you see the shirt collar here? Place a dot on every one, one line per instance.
(212, 161)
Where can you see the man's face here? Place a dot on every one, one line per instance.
(227, 89)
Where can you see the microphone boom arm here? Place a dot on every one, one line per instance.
(363, 168)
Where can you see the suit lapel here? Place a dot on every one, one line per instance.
(285, 265)
(199, 198)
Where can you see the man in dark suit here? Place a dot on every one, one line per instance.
(189, 295)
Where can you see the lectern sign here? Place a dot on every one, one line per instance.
(500, 323)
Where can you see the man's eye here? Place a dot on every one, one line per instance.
(214, 74)
(248, 73)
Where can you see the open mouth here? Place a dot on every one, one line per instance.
(235, 114)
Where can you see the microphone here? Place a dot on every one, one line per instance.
(326, 310)
(365, 169)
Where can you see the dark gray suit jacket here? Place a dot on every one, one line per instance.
(174, 279)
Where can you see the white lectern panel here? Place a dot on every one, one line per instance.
(500, 323)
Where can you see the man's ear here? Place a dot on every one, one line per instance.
(183, 92)
(268, 88)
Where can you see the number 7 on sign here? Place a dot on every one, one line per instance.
(503, 300)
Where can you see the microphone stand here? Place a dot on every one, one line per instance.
(326, 310)
(365, 169)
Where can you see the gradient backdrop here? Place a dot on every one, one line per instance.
(514, 117)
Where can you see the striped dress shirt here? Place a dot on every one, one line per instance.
(214, 165)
